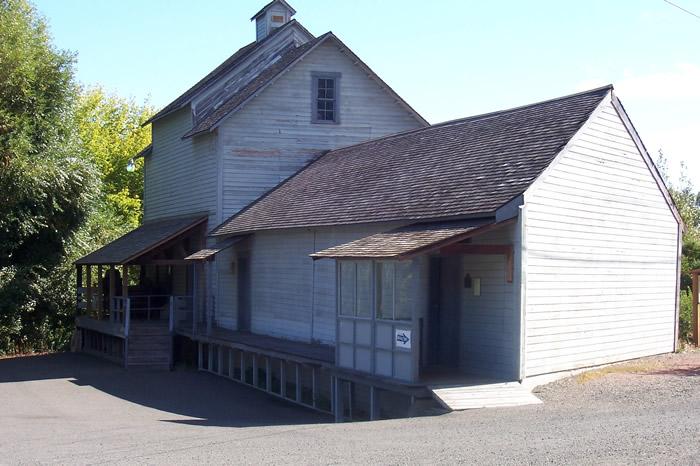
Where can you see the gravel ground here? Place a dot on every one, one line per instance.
(72, 409)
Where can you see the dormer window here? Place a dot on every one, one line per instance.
(325, 92)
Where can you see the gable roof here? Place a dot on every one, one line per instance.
(458, 169)
(271, 73)
(226, 66)
(143, 239)
(267, 7)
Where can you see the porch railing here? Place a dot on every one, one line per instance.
(177, 311)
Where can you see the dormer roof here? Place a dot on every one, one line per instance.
(270, 5)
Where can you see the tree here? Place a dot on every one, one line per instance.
(687, 200)
(46, 188)
(111, 133)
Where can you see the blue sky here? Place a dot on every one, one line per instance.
(448, 59)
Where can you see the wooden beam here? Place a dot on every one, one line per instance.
(163, 262)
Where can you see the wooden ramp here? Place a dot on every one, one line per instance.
(490, 395)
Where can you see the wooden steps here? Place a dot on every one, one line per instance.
(150, 346)
(492, 395)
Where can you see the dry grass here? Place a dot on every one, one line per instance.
(635, 367)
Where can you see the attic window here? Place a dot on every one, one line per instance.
(325, 97)
(277, 19)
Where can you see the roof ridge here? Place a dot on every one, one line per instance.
(245, 51)
(442, 124)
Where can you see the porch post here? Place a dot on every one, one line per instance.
(79, 285)
(100, 293)
(88, 291)
(112, 288)
(125, 289)
(125, 281)
(195, 309)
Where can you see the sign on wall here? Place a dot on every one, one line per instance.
(402, 338)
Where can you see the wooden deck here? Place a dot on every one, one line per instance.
(479, 395)
(102, 326)
(276, 347)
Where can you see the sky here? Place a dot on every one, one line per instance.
(447, 58)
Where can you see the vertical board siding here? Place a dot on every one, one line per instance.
(272, 136)
(601, 255)
(179, 175)
(490, 324)
(227, 289)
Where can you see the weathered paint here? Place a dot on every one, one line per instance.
(179, 175)
(601, 254)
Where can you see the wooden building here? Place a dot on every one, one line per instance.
(308, 233)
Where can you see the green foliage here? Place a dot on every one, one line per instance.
(111, 132)
(685, 318)
(46, 189)
(687, 200)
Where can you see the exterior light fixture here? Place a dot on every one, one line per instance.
(131, 165)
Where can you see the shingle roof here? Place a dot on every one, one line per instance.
(256, 84)
(268, 75)
(228, 64)
(141, 240)
(405, 241)
(462, 168)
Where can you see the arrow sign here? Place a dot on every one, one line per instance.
(403, 338)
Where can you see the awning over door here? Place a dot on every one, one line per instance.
(142, 240)
(208, 254)
(409, 241)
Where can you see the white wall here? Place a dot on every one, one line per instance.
(272, 136)
(601, 248)
(489, 324)
(292, 296)
(179, 175)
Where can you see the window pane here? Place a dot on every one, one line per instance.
(321, 93)
(330, 83)
(385, 290)
(321, 115)
(330, 116)
(404, 290)
(347, 288)
(330, 105)
(364, 289)
(330, 94)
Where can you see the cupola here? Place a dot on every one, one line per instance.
(275, 14)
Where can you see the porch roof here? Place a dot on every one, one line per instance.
(207, 254)
(409, 241)
(143, 239)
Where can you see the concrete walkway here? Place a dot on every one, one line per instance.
(73, 409)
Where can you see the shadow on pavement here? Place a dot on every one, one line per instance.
(208, 399)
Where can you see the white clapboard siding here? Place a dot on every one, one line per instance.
(601, 248)
(179, 175)
(291, 295)
(490, 323)
(272, 136)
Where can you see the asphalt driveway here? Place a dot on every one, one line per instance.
(73, 409)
